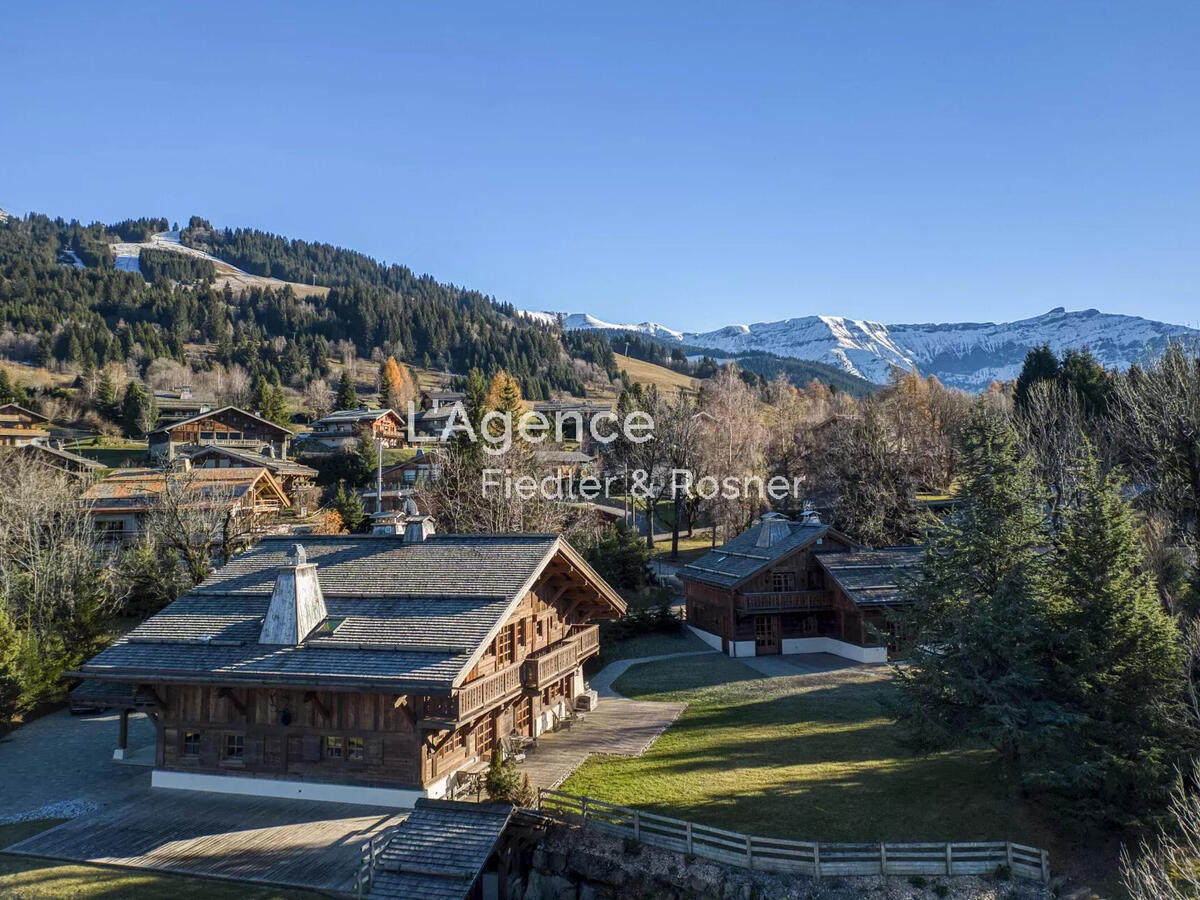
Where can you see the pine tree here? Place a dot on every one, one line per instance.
(349, 506)
(347, 396)
(135, 409)
(1118, 665)
(981, 638)
(1040, 365)
(106, 395)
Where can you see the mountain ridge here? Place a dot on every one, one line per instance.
(968, 355)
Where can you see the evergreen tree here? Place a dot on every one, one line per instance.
(1040, 365)
(106, 395)
(136, 410)
(1118, 665)
(982, 642)
(1092, 383)
(349, 506)
(347, 396)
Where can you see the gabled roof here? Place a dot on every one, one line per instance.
(871, 577)
(756, 548)
(272, 464)
(214, 413)
(16, 408)
(350, 416)
(439, 850)
(134, 490)
(414, 616)
(63, 458)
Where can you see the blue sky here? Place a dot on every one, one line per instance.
(696, 163)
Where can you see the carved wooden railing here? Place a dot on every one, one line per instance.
(556, 660)
(483, 692)
(784, 601)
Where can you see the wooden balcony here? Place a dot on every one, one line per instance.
(783, 601)
(543, 667)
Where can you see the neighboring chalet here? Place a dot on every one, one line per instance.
(181, 403)
(20, 426)
(400, 480)
(121, 503)
(55, 457)
(344, 427)
(787, 586)
(567, 465)
(435, 400)
(224, 427)
(363, 669)
(292, 476)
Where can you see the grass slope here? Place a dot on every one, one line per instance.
(648, 374)
(813, 758)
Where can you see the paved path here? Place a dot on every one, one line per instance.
(61, 758)
(289, 842)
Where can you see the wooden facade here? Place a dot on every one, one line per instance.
(228, 427)
(20, 426)
(344, 427)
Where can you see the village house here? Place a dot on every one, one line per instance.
(293, 477)
(371, 668)
(400, 480)
(121, 503)
(343, 428)
(51, 455)
(181, 403)
(567, 466)
(20, 426)
(225, 427)
(435, 400)
(785, 586)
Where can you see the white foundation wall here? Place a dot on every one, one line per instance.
(870, 655)
(713, 640)
(249, 786)
(741, 648)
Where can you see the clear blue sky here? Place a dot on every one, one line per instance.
(693, 163)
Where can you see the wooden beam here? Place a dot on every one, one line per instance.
(228, 694)
(311, 697)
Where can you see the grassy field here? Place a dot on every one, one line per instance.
(27, 878)
(656, 644)
(111, 452)
(648, 374)
(814, 757)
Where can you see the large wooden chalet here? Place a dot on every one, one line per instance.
(20, 426)
(224, 427)
(786, 586)
(344, 427)
(366, 668)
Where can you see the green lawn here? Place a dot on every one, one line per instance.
(27, 878)
(813, 757)
(654, 644)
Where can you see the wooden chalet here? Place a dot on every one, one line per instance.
(121, 502)
(567, 465)
(786, 586)
(343, 428)
(369, 668)
(400, 480)
(20, 426)
(181, 403)
(292, 476)
(224, 427)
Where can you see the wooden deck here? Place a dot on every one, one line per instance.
(278, 842)
(617, 726)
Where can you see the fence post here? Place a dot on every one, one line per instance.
(689, 837)
(1008, 855)
(949, 860)
(539, 798)
(882, 858)
(749, 853)
(1045, 866)
(637, 825)
(583, 810)
(816, 859)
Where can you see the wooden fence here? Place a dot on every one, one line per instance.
(803, 857)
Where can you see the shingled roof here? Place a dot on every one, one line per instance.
(274, 465)
(439, 850)
(870, 577)
(403, 616)
(773, 538)
(214, 413)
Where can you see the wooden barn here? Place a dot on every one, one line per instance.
(224, 427)
(786, 586)
(369, 668)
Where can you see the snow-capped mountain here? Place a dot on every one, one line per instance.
(967, 355)
(585, 322)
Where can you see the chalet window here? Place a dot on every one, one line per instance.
(191, 743)
(334, 747)
(234, 435)
(235, 746)
(355, 749)
(486, 736)
(206, 435)
(783, 581)
(523, 632)
(504, 647)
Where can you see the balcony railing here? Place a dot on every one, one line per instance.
(483, 692)
(784, 601)
(553, 662)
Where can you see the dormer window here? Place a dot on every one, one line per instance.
(328, 627)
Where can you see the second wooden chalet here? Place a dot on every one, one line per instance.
(225, 427)
(785, 586)
(362, 669)
(343, 428)
(292, 476)
(20, 426)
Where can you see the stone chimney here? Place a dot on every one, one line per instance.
(416, 526)
(297, 605)
(810, 516)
